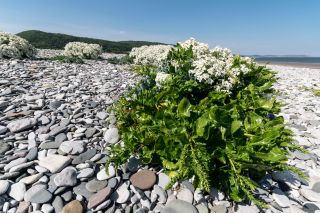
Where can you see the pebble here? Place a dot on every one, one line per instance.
(112, 136)
(85, 173)
(54, 163)
(72, 147)
(4, 186)
(96, 185)
(310, 194)
(121, 195)
(21, 124)
(43, 196)
(185, 195)
(67, 177)
(99, 197)
(281, 198)
(17, 191)
(143, 179)
(102, 175)
(73, 207)
(176, 206)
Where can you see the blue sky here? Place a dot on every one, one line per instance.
(246, 26)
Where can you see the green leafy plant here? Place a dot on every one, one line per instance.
(67, 59)
(226, 140)
(122, 60)
(316, 92)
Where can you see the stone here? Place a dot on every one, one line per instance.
(281, 199)
(31, 140)
(90, 132)
(219, 209)
(160, 193)
(17, 191)
(57, 130)
(84, 156)
(4, 147)
(55, 104)
(23, 207)
(57, 204)
(54, 163)
(21, 124)
(43, 196)
(73, 207)
(202, 208)
(102, 175)
(133, 164)
(59, 138)
(163, 180)
(214, 193)
(121, 195)
(72, 147)
(316, 187)
(82, 190)
(96, 185)
(33, 190)
(185, 195)
(113, 182)
(67, 177)
(101, 115)
(178, 206)
(31, 179)
(143, 179)
(32, 154)
(310, 194)
(14, 163)
(67, 196)
(4, 186)
(112, 135)
(247, 209)
(99, 197)
(3, 129)
(85, 173)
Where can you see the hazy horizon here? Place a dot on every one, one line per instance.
(271, 27)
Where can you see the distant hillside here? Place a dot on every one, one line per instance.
(44, 40)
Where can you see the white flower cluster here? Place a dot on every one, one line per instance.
(12, 46)
(154, 55)
(162, 77)
(82, 50)
(216, 66)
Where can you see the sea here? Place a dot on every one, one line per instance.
(287, 60)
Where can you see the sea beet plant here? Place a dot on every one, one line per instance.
(205, 114)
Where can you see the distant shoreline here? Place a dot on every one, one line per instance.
(292, 64)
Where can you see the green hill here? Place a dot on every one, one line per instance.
(44, 40)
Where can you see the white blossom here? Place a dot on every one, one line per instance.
(82, 50)
(162, 77)
(154, 55)
(12, 46)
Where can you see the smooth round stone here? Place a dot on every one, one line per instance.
(96, 185)
(60, 138)
(121, 195)
(113, 182)
(31, 179)
(67, 177)
(310, 195)
(67, 196)
(202, 208)
(160, 193)
(102, 175)
(316, 187)
(42, 196)
(72, 147)
(47, 208)
(17, 191)
(219, 209)
(4, 147)
(84, 156)
(32, 154)
(33, 190)
(178, 206)
(99, 197)
(112, 136)
(82, 190)
(4, 186)
(73, 207)
(54, 163)
(163, 180)
(133, 164)
(143, 179)
(247, 209)
(281, 198)
(85, 173)
(185, 195)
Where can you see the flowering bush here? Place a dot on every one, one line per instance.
(82, 50)
(150, 55)
(12, 46)
(205, 114)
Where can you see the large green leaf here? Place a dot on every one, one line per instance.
(184, 107)
(236, 124)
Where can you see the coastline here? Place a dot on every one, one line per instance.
(291, 64)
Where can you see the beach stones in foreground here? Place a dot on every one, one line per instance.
(179, 206)
(73, 207)
(143, 179)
